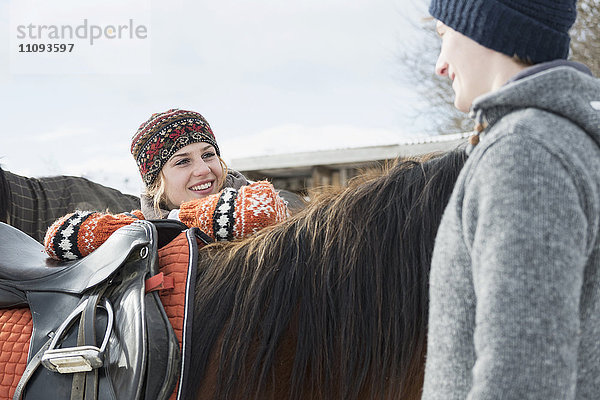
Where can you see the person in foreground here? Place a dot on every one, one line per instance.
(515, 276)
(185, 180)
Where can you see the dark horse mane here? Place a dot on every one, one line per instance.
(338, 293)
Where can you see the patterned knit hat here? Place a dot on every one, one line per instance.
(163, 135)
(534, 30)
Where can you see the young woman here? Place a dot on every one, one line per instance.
(179, 160)
(186, 179)
(515, 274)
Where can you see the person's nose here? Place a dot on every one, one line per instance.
(201, 168)
(441, 67)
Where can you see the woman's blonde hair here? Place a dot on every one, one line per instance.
(156, 191)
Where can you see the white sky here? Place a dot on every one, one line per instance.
(270, 76)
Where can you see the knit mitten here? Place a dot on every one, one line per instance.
(235, 214)
(78, 234)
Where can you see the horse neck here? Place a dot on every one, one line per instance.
(344, 281)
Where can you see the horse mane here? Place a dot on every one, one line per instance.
(4, 197)
(342, 285)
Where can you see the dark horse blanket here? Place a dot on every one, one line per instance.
(33, 204)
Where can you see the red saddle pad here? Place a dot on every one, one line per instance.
(15, 332)
(173, 260)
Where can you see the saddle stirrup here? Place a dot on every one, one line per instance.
(71, 359)
(80, 358)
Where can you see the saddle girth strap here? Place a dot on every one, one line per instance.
(85, 384)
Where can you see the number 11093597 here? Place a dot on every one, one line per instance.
(46, 48)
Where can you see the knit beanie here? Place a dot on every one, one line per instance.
(533, 30)
(157, 139)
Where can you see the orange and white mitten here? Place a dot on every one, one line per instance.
(78, 234)
(235, 214)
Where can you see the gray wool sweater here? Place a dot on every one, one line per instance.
(515, 276)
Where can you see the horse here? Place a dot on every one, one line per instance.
(330, 304)
(33, 204)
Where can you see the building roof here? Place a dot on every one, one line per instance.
(280, 163)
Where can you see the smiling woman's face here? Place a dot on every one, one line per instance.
(467, 64)
(193, 172)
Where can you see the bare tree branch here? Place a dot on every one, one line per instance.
(585, 35)
(417, 60)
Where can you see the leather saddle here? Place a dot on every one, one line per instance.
(97, 332)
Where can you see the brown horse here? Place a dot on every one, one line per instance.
(331, 304)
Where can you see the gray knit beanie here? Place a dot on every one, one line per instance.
(533, 30)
